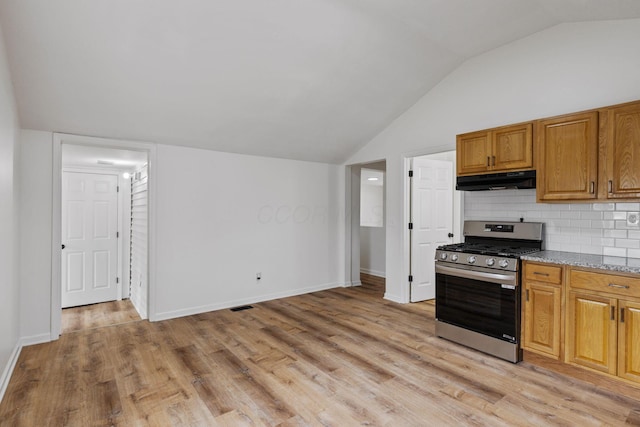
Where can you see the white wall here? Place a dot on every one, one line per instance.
(567, 68)
(372, 250)
(35, 235)
(371, 205)
(9, 224)
(221, 218)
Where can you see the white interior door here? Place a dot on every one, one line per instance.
(89, 238)
(432, 218)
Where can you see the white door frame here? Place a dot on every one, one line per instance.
(56, 218)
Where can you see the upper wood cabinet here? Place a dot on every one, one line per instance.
(506, 148)
(567, 150)
(589, 156)
(620, 143)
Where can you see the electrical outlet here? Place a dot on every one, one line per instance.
(258, 276)
(633, 219)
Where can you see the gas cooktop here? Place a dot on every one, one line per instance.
(488, 249)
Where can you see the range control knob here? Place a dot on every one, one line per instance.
(443, 255)
(490, 261)
(471, 259)
(454, 257)
(503, 263)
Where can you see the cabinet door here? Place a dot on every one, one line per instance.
(512, 148)
(473, 152)
(542, 318)
(629, 340)
(567, 149)
(621, 137)
(592, 327)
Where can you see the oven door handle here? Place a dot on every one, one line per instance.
(507, 279)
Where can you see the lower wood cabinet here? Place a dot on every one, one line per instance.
(583, 317)
(592, 331)
(542, 302)
(629, 341)
(603, 323)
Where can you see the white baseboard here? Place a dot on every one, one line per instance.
(140, 308)
(373, 272)
(8, 370)
(244, 301)
(394, 298)
(35, 339)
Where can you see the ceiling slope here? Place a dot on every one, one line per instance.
(301, 79)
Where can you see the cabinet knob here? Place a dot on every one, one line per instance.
(592, 188)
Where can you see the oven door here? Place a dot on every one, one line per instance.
(482, 301)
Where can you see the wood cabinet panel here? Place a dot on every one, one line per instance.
(629, 341)
(473, 153)
(620, 137)
(542, 318)
(567, 150)
(603, 282)
(592, 329)
(513, 147)
(543, 273)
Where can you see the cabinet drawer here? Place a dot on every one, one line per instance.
(603, 282)
(543, 273)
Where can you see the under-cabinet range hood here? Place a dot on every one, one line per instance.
(497, 181)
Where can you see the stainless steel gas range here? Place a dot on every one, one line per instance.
(478, 286)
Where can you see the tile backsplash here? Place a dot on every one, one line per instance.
(590, 228)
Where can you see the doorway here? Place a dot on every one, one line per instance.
(83, 163)
(366, 261)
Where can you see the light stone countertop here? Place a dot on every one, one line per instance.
(609, 263)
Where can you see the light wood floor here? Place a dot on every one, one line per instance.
(98, 315)
(341, 357)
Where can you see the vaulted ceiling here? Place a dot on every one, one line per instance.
(301, 79)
